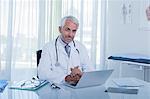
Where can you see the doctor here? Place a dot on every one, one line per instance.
(64, 55)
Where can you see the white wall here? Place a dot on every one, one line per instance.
(129, 37)
(125, 38)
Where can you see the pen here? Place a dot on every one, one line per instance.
(22, 84)
(54, 86)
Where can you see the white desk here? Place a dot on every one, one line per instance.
(65, 92)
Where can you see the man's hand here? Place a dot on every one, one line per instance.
(73, 80)
(76, 71)
(74, 76)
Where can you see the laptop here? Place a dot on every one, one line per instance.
(93, 78)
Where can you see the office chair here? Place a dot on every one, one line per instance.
(38, 56)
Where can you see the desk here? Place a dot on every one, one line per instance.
(65, 92)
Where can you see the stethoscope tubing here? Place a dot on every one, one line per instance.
(56, 50)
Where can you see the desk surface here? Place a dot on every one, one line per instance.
(65, 92)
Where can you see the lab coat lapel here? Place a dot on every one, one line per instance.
(61, 48)
(74, 57)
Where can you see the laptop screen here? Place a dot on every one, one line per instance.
(92, 78)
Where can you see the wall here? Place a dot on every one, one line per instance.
(128, 37)
(131, 36)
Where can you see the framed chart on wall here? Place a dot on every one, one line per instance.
(127, 11)
(144, 15)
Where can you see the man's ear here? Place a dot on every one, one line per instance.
(60, 29)
(71, 69)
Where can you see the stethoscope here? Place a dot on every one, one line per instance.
(56, 50)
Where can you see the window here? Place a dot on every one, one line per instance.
(26, 25)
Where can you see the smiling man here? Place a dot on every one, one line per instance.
(64, 56)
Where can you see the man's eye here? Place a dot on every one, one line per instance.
(67, 29)
(74, 30)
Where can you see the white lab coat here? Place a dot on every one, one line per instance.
(47, 69)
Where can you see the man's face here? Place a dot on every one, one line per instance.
(68, 31)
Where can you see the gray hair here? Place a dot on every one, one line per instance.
(72, 18)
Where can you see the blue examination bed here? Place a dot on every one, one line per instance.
(131, 58)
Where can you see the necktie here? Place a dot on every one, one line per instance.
(68, 49)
